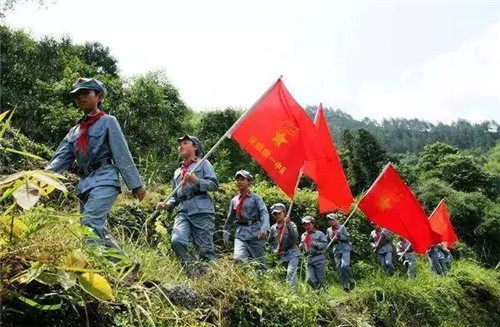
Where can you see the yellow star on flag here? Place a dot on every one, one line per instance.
(279, 139)
(385, 203)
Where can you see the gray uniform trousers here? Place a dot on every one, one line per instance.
(437, 262)
(195, 219)
(342, 264)
(250, 249)
(95, 205)
(383, 248)
(290, 257)
(315, 258)
(200, 229)
(410, 260)
(316, 271)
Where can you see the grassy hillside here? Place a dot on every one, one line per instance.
(156, 292)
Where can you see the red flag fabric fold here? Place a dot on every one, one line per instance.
(391, 204)
(328, 174)
(441, 224)
(280, 136)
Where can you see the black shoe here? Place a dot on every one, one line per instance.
(352, 285)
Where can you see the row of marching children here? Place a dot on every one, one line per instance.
(249, 214)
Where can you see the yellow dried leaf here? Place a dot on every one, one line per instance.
(97, 286)
(18, 227)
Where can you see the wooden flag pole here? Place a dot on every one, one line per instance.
(343, 225)
(404, 252)
(291, 205)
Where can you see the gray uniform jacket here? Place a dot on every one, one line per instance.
(385, 244)
(192, 199)
(318, 245)
(254, 211)
(290, 243)
(105, 142)
(341, 242)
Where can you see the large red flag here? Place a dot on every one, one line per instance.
(280, 136)
(391, 204)
(333, 189)
(441, 224)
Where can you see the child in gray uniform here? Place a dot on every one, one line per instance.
(405, 253)
(248, 211)
(284, 240)
(338, 236)
(195, 218)
(313, 244)
(101, 153)
(381, 242)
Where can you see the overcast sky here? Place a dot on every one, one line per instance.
(433, 60)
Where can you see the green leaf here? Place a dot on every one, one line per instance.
(77, 269)
(6, 124)
(23, 153)
(37, 305)
(48, 278)
(3, 114)
(97, 286)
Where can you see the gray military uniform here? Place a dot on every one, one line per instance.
(290, 252)
(341, 250)
(98, 189)
(195, 216)
(405, 252)
(437, 260)
(254, 218)
(315, 258)
(383, 248)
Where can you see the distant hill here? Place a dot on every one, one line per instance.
(400, 135)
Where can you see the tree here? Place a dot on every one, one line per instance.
(229, 157)
(364, 157)
(432, 155)
(464, 173)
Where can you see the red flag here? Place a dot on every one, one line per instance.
(333, 189)
(280, 136)
(391, 204)
(441, 224)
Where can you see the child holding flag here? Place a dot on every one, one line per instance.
(314, 243)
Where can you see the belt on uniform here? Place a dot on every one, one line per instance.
(311, 255)
(84, 172)
(242, 222)
(190, 196)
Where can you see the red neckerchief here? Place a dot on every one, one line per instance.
(280, 239)
(185, 165)
(239, 205)
(85, 123)
(308, 240)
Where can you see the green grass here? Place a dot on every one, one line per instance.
(229, 294)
